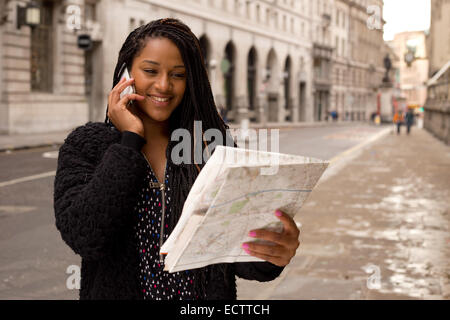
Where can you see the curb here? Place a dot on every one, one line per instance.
(10, 148)
(341, 160)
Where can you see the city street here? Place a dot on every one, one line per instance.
(376, 229)
(363, 85)
(34, 259)
(364, 212)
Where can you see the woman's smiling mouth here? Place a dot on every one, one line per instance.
(159, 101)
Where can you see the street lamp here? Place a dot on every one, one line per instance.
(30, 15)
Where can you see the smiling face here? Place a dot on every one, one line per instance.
(160, 76)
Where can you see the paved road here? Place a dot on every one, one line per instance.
(34, 259)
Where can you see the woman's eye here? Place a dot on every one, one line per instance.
(150, 71)
(178, 75)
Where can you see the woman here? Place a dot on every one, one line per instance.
(118, 194)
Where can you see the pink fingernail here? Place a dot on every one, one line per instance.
(245, 246)
(252, 234)
(278, 213)
(247, 251)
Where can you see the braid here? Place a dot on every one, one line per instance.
(197, 105)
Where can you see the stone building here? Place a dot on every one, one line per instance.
(41, 71)
(414, 72)
(437, 106)
(322, 51)
(269, 61)
(358, 57)
(439, 35)
(257, 52)
(290, 63)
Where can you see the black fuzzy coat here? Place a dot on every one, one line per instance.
(96, 186)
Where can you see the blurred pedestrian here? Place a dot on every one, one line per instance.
(409, 120)
(334, 115)
(398, 120)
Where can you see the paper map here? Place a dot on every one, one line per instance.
(229, 198)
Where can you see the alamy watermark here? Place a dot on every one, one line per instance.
(73, 21)
(205, 143)
(374, 280)
(374, 21)
(74, 278)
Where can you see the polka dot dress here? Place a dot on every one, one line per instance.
(157, 284)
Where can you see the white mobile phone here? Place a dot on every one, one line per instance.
(124, 74)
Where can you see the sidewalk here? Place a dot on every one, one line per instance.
(26, 141)
(378, 229)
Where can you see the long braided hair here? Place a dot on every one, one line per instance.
(196, 105)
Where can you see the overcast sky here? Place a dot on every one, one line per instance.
(405, 15)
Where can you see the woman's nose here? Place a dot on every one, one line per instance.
(163, 83)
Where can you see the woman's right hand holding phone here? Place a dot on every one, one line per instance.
(123, 114)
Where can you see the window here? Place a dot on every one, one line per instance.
(132, 24)
(41, 51)
(90, 10)
(258, 13)
(337, 45)
(247, 10)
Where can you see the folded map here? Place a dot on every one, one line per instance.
(238, 190)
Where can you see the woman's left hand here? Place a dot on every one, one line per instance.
(284, 245)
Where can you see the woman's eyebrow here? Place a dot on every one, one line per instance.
(157, 63)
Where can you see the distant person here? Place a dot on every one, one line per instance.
(334, 115)
(409, 120)
(398, 120)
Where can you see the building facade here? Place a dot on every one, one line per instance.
(437, 106)
(41, 71)
(358, 58)
(439, 36)
(413, 73)
(268, 61)
(257, 52)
